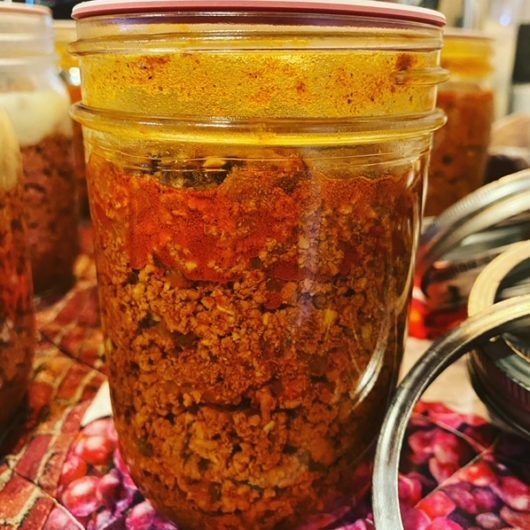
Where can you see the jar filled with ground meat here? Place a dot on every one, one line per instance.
(255, 176)
(65, 34)
(16, 309)
(460, 148)
(37, 102)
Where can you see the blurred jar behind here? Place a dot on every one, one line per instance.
(500, 20)
(460, 148)
(65, 33)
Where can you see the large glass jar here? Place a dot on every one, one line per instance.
(65, 34)
(255, 183)
(16, 310)
(460, 148)
(37, 103)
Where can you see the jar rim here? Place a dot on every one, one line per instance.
(27, 9)
(488, 283)
(475, 331)
(279, 131)
(65, 31)
(471, 34)
(363, 8)
(64, 24)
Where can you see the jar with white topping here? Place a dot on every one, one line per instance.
(37, 102)
(16, 310)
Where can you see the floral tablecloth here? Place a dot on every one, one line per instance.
(62, 468)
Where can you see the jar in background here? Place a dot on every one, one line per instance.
(256, 183)
(16, 309)
(65, 34)
(460, 148)
(37, 103)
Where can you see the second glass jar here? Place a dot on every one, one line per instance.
(37, 103)
(65, 34)
(460, 148)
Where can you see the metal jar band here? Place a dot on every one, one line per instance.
(478, 329)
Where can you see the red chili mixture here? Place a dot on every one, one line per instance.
(50, 202)
(16, 310)
(254, 315)
(460, 148)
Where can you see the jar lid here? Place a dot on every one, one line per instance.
(449, 282)
(366, 8)
(500, 370)
(493, 216)
(467, 53)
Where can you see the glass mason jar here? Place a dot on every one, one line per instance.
(65, 34)
(37, 103)
(255, 179)
(16, 309)
(460, 148)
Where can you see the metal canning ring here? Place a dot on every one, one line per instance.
(482, 326)
(500, 369)
(482, 209)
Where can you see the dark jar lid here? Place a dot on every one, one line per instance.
(500, 369)
(456, 246)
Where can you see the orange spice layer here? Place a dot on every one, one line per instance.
(16, 309)
(262, 83)
(460, 149)
(254, 314)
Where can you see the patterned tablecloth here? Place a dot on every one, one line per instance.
(63, 470)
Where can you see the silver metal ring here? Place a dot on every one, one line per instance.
(478, 211)
(440, 355)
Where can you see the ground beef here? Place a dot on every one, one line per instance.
(254, 315)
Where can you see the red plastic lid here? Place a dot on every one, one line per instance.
(367, 8)
(12, 7)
